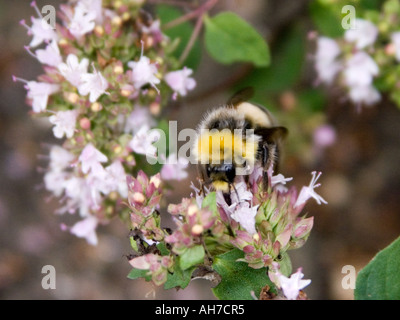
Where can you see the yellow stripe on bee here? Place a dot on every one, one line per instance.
(215, 146)
(221, 185)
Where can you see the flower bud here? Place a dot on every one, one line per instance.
(99, 31)
(192, 210)
(197, 229)
(138, 197)
(96, 107)
(118, 69)
(155, 180)
(84, 123)
(116, 21)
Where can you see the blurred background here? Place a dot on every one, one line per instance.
(359, 156)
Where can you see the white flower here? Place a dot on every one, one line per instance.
(279, 179)
(366, 95)
(86, 228)
(64, 122)
(308, 192)
(117, 178)
(140, 116)
(73, 70)
(90, 159)
(94, 84)
(292, 286)
(82, 22)
(179, 81)
(395, 37)
(174, 168)
(143, 72)
(40, 31)
(94, 6)
(364, 34)
(326, 63)
(50, 55)
(39, 92)
(143, 140)
(360, 70)
(245, 215)
(54, 181)
(60, 158)
(240, 193)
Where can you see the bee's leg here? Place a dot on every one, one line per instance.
(200, 173)
(265, 164)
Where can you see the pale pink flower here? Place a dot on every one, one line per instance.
(40, 31)
(82, 21)
(143, 140)
(279, 179)
(143, 72)
(179, 81)
(246, 216)
(364, 34)
(54, 181)
(291, 286)
(93, 84)
(139, 116)
(326, 64)
(60, 158)
(64, 123)
(86, 228)
(360, 70)
(174, 168)
(39, 92)
(324, 136)
(94, 6)
(73, 70)
(308, 192)
(50, 55)
(366, 95)
(91, 158)
(117, 178)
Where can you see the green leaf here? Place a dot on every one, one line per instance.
(288, 58)
(327, 17)
(181, 32)
(138, 273)
(229, 38)
(163, 249)
(210, 202)
(285, 265)
(238, 279)
(380, 279)
(191, 257)
(180, 278)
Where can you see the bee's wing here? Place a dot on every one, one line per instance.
(273, 134)
(243, 95)
(270, 147)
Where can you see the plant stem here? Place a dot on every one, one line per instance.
(192, 40)
(177, 3)
(191, 15)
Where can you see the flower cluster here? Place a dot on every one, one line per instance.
(263, 224)
(350, 62)
(108, 72)
(364, 61)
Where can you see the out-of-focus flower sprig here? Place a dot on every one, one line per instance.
(365, 60)
(262, 225)
(108, 72)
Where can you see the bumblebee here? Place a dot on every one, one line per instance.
(234, 139)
